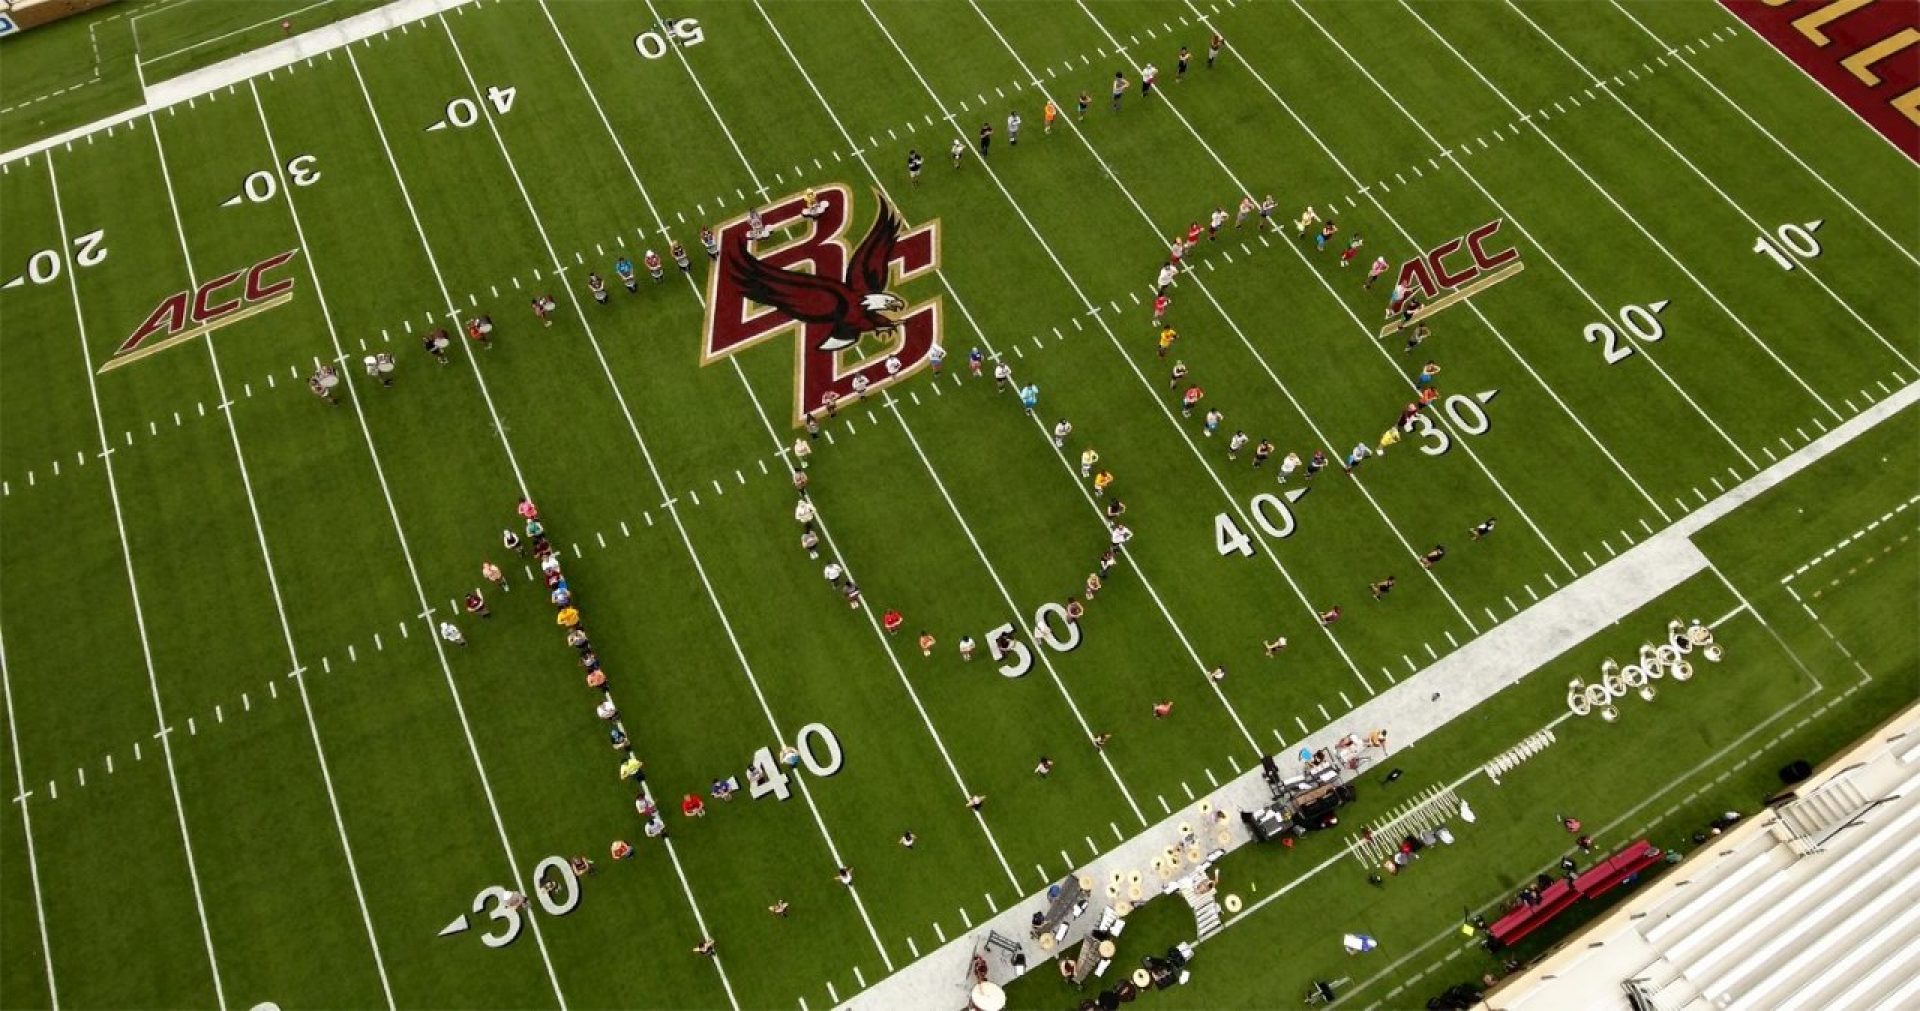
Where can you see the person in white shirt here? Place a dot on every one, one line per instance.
(1013, 128)
(802, 449)
(1121, 534)
(833, 572)
(1167, 274)
(1060, 433)
(451, 632)
(959, 151)
(1289, 464)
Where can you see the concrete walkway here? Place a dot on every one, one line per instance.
(253, 63)
(1415, 707)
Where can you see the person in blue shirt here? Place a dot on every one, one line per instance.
(624, 268)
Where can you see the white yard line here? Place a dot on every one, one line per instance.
(164, 732)
(1448, 154)
(1818, 177)
(273, 579)
(1233, 501)
(1805, 267)
(1040, 428)
(779, 446)
(426, 611)
(1190, 275)
(1572, 615)
(25, 799)
(1626, 215)
(992, 573)
(646, 455)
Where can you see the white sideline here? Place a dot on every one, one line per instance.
(1464, 679)
(226, 73)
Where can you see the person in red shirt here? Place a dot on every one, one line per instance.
(1193, 235)
(891, 621)
(1160, 305)
(692, 807)
(477, 335)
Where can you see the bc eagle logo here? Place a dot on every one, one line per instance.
(759, 290)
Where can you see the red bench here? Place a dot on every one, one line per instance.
(1596, 881)
(1608, 874)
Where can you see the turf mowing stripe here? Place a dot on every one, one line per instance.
(466, 727)
(940, 484)
(1478, 314)
(647, 456)
(1299, 408)
(1093, 310)
(1633, 219)
(1531, 238)
(133, 589)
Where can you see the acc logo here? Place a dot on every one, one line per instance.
(756, 294)
(1429, 276)
(185, 315)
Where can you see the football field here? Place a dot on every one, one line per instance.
(1633, 265)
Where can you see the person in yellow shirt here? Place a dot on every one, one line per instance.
(1391, 436)
(1047, 115)
(568, 617)
(1167, 336)
(1101, 481)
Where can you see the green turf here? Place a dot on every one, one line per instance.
(249, 530)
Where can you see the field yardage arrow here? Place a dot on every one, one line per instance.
(1295, 494)
(458, 925)
(16, 282)
(442, 125)
(1485, 395)
(1814, 225)
(233, 201)
(1660, 305)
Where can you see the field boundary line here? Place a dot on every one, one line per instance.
(273, 580)
(1540, 131)
(1093, 310)
(939, 485)
(446, 669)
(164, 732)
(1675, 52)
(1454, 159)
(217, 38)
(26, 823)
(1624, 584)
(633, 427)
(1725, 197)
(780, 450)
(231, 72)
(1040, 428)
